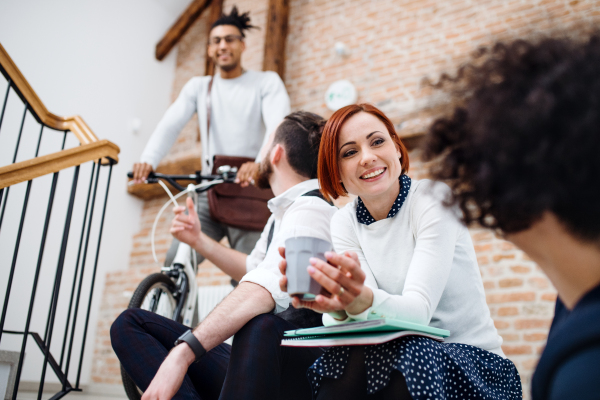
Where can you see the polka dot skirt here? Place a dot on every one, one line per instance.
(432, 370)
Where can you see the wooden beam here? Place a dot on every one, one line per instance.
(276, 35)
(48, 164)
(216, 9)
(180, 27)
(184, 165)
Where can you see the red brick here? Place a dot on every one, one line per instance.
(548, 296)
(510, 297)
(535, 337)
(506, 311)
(532, 323)
(501, 324)
(539, 282)
(520, 269)
(500, 257)
(510, 350)
(511, 282)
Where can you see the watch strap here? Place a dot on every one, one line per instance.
(189, 338)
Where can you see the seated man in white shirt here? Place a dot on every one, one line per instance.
(257, 311)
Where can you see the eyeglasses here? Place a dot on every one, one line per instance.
(229, 39)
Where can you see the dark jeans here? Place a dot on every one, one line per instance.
(255, 367)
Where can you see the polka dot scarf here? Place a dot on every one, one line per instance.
(364, 216)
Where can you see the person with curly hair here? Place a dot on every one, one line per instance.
(399, 254)
(520, 153)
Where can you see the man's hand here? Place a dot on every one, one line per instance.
(247, 174)
(341, 271)
(141, 171)
(170, 375)
(186, 228)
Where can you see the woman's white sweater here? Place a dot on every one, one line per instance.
(421, 266)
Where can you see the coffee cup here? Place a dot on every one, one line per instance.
(298, 251)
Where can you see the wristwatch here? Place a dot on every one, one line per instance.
(189, 338)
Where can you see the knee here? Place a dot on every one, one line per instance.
(261, 327)
(122, 326)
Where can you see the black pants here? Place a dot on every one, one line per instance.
(255, 367)
(352, 385)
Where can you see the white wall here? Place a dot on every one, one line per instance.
(94, 59)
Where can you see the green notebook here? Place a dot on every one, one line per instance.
(351, 339)
(373, 325)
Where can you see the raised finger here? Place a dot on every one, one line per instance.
(326, 304)
(346, 264)
(136, 172)
(178, 209)
(282, 266)
(325, 281)
(337, 276)
(146, 169)
(181, 224)
(181, 217)
(283, 284)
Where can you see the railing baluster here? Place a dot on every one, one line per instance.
(64, 141)
(14, 260)
(87, 240)
(35, 280)
(4, 206)
(37, 149)
(87, 204)
(5, 101)
(87, 319)
(57, 280)
(20, 132)
(83, 260)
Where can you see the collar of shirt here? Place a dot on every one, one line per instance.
(364, 216)
(279, 204)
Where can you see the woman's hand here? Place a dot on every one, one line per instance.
(342, 280)
(186, 228)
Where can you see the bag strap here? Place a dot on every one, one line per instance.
(312, 193)
(208, 112)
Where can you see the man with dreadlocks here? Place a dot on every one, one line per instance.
(246, 106)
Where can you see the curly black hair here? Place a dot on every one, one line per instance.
(524, 135)
(240, 21)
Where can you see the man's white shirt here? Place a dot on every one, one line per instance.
(245, 110)
(294, 215)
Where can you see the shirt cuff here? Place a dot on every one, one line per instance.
(363, 316)
(328, 320)
(270, 282)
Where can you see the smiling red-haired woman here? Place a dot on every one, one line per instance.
(399, 254)
(328, 171)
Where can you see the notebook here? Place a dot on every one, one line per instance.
(374, 331)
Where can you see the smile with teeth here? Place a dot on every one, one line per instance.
(373, 174)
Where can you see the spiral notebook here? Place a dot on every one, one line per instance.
(360, 333)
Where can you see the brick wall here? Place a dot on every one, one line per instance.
(393, 45)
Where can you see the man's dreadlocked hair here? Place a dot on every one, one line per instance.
(240, 21)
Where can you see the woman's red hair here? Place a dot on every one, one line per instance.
(328, 171)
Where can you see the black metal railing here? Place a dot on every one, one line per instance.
(49, 274)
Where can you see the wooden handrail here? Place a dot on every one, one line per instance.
(74, 124)
(48, 164)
